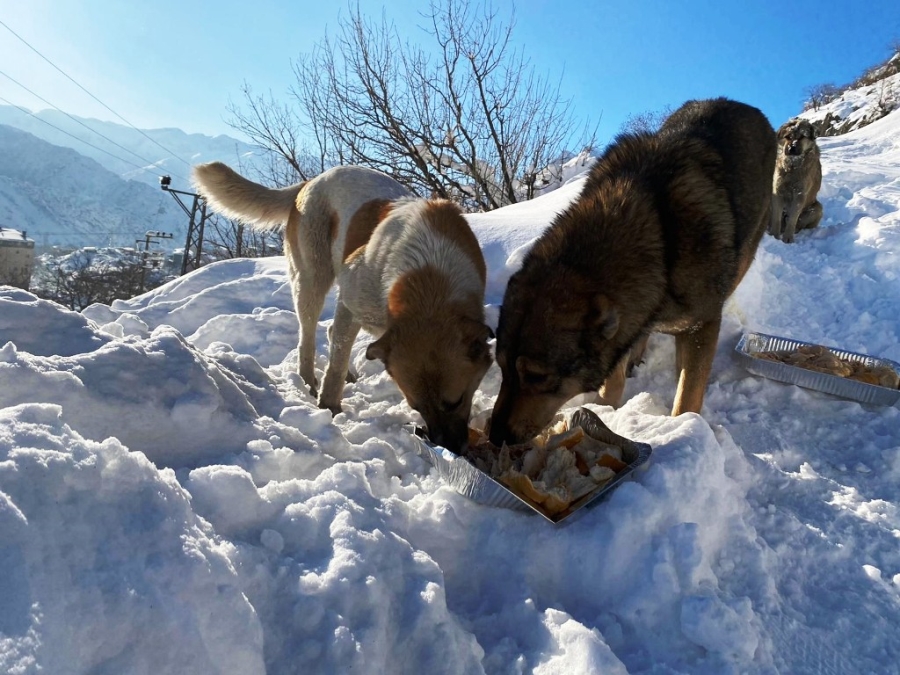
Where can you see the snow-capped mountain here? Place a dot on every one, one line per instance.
(61, 197)
(158, 151)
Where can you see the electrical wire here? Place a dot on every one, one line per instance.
(78, 121)
(71, 79)
(63, 131)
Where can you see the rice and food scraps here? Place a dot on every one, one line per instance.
(553, 470)
(822, 360)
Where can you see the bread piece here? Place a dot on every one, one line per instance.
(822, 360)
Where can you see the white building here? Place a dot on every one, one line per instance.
(16, 258)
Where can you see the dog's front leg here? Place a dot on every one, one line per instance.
(694, 353)
(351, 376)
(791, 216)
(343, 332)
(776, 216)
(614, 386)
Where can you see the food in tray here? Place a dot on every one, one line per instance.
(553, 470)
(823, 360)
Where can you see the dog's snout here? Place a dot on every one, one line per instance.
(499, 432)
(453, 436)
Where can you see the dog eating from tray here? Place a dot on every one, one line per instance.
(553, 470)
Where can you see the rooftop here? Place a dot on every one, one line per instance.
(9, 234)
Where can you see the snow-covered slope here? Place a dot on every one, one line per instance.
(875, 96)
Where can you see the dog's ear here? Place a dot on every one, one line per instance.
(476, 330)
(475, 335)
(605, 317)
(380, 349)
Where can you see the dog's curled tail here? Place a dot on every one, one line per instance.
(234, 196)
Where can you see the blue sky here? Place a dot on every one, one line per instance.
(177, 64)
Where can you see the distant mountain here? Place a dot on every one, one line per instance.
(61, 197)
(152, 149)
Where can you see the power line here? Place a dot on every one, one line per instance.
(63, 131)
(78, 121)
(152, 140)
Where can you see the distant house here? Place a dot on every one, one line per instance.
(16, 258)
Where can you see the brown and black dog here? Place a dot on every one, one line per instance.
(798, 178)
(662, 233)
(409, 271)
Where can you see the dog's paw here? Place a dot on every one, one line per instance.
(313, 386)
(335, 408)
(351, 377)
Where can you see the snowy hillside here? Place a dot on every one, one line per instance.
(877, 94)
(179, 149)
(61, 197)
(173, 501)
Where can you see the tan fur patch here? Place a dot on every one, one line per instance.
(423, 290)
(363, 223)
(446, 219)
(396, 301)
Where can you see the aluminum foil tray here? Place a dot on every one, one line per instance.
(478, 486)
(751, 344)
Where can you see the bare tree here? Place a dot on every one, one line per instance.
(820, 94)
(645, 122)
(226, 238)
(466, 119)
(77, 280)
(276, 128)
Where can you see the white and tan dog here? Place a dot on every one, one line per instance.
(410, 271)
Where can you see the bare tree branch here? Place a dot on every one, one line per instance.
(465, 117)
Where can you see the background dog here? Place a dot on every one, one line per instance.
(798, 177)
(662, 233)
(409, 271)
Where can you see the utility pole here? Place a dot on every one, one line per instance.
(152, 234)
(193, 245)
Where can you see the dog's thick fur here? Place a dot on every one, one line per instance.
(662, 233)
(409, 271)
(798, 177)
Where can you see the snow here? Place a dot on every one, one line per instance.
(172, 501)
(854, 108)
(11, 235)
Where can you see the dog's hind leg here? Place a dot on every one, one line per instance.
(694, 353)
(310, 283)
(342, 334)
(810, 217)
(309, 299)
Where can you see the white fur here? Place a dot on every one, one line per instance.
(405, 242)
